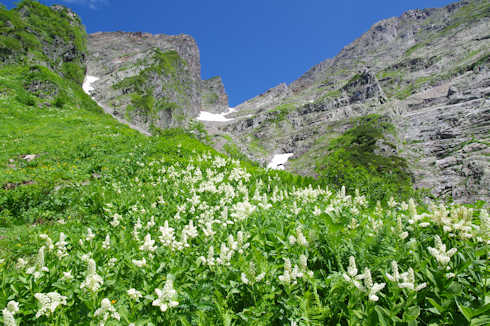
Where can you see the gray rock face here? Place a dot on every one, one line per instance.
(151, 80)
(428, 71)
(213, 96)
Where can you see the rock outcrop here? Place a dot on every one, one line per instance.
(151, 80)
(213, 95)
(427, 72)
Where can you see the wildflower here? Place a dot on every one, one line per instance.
(93, 281)
(392, 203)
(244, 279)
(49, 302)
(139, 263)
(9, 312)
(106, 311)
(260, 277)
(151, 223)
(353, 224)
(286, 276)
(61, 246)
(67, 276)
(403, 206)
(107, 242)
(115, 220)
(21, 263)
(49, 242)
(440, 254)
(167, 238)
(369, 287)
(405, 280)
(166, 298)
(190, 230)
(90, 235)
(148, 244)
(134, 294)
(242, 210)
(39, 267)
(112, 262)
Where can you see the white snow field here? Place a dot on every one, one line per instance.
(278, 161)
(87, 83)
(208, 116)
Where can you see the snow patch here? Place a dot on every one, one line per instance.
(278, 161)
(208, 116)
(87, 84)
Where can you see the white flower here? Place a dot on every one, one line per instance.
(166, 298)
(300, 238)
(61, 246)
(13, 306)
(107, 242)
(106, 310)
(139, 263)
(90, 235)
(115, 220)
(243, 210)
(439, 252)
(259, 277)
(405, 280)
(112, 262)
(134, 294)
(39, 267)
(190, 230)
(49, 302)
(352, 269)
(148, 244)
(403, 235)
(93, 281)
(167, 238)
(49, 242)
(9, 312)
(244, 278)
(21, 263)
(67, 276)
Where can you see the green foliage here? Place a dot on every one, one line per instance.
(280, 112)
(32, 32)
(73, 72)
(352, 161)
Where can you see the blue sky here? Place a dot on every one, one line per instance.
(252, 44)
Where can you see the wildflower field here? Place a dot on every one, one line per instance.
(102, 225)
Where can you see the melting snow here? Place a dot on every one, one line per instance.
(208, 116)
(279, 160)
(87, 83)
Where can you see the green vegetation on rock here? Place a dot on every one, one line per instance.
(353, 160)
(32, 33)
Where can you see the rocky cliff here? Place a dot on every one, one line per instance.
(151, 80)
(425, 74)
(35, 35)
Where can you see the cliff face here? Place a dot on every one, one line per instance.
(213, 96)
(426, 72)
(151, 80)
(33, 34)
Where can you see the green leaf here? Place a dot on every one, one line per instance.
(485, 320)
(438, 309)
(411, 313)
(380, 313)
(466, 311)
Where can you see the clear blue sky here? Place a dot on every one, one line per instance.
(252, 44)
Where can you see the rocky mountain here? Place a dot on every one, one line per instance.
(409, 98)
(151, 80)
(36, 35)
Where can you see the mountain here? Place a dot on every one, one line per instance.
(153, 81)
(405, 103)
(102, 224)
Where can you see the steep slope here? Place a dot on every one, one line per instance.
(426, 73)
(154, 81)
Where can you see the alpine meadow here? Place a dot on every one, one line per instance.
(131, 194)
